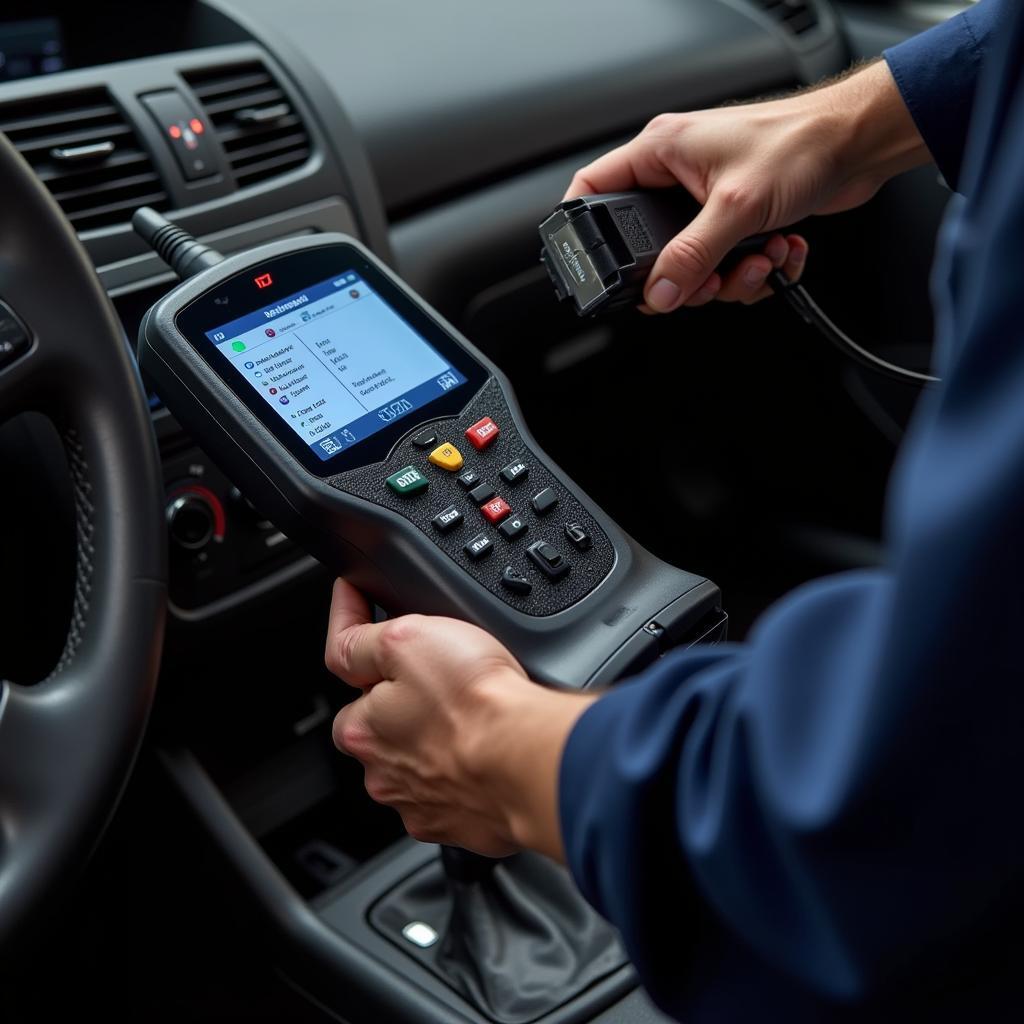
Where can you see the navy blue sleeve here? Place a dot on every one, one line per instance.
(843, 790)
(937, 75)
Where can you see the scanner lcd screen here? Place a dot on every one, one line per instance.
(335, 362)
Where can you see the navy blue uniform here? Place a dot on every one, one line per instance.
(842, 794)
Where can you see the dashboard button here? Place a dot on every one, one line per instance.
(512, 527)
(515, 472)
(578, 536)
(482, 493)
(447, 457)
(479, 546)
(548, 559)
(185, 131)
(425, 438)
(469, 479)
(483, 433)
(655, 629)
(495, 510)
(544, 502)
(448, 519)
(191, 521)
(407, 482)
(515, 581)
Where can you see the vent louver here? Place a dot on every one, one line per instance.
(86, 154)
(796, 16)
(254, 120)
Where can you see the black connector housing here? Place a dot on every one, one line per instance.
(598, 250)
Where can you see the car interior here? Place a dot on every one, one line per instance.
(179, 839)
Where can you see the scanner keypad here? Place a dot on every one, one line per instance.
(503, 515)
(553, 561)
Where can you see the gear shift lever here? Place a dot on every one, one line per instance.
(516, 939)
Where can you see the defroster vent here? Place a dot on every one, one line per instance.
(255, 121)
(86, 154)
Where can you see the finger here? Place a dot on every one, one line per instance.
(351, 732)
(746, 280)
(706, 293)
(628, 166)
(348, 607)
(687, 262)
(352, 651)
(777, 250)
(797, 259)
(793, 267)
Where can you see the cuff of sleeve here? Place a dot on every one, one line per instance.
(617, 776)
(936, 73)
(618, 792)
(576, 810)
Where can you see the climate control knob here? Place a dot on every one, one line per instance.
(191, 520)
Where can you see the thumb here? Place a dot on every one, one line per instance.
(689, 259)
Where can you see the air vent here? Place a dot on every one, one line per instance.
(796, 16)
(255, 121)
(86, 154)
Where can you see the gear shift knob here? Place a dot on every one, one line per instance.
(516, 939)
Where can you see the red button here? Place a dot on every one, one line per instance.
(495, 510)
(482, 433)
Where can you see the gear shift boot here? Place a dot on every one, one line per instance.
(514, 937)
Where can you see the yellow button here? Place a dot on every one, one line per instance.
(447, 457)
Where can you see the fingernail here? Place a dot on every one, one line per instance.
(798, 255)
(755, 275)
(663, 296)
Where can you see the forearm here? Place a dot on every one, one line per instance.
(514, 748)
(860, 129)
(878, 137)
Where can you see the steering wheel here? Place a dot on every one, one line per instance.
(68, 742)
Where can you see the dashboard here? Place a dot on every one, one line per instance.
(252, 120)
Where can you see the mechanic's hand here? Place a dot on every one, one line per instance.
(756, 168)
(450, 730)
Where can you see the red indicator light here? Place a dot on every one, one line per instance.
(174, 131)
(196, 125)
(263, 280)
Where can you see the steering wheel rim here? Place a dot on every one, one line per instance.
(67, 743)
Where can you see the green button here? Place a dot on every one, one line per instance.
(407, 481)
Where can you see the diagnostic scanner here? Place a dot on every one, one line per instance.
(374, 435)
